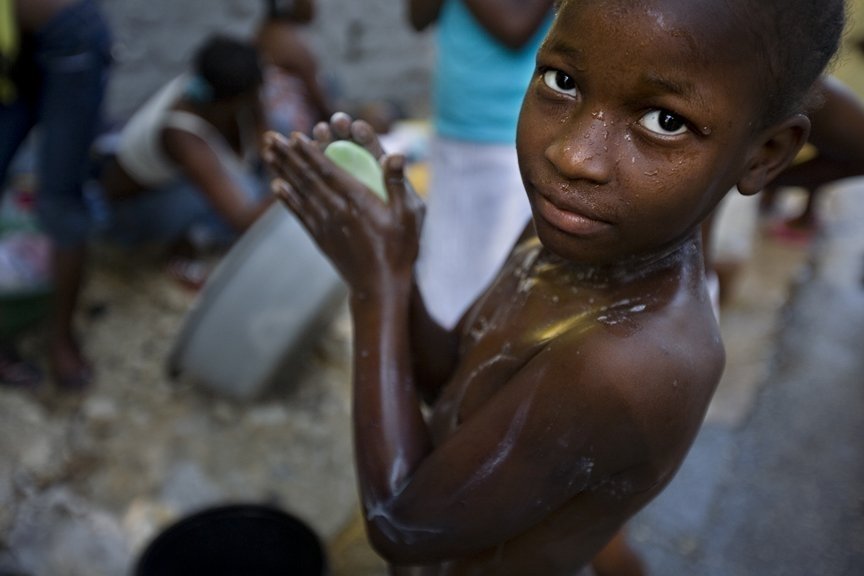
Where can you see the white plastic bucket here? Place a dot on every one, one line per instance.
(264, 304)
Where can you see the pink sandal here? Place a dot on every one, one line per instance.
(794, 235)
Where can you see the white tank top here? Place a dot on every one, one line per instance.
(140, 151)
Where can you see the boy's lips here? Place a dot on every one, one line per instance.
(569, 219)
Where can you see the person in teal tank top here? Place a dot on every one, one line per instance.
(479, 80)
(485, 59)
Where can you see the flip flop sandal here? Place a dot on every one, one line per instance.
(76, 382)
(17, 373)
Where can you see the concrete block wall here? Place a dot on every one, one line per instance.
(365, 47)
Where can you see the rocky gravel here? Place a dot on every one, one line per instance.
(87, 479)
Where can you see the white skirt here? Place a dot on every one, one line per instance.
(476, 210)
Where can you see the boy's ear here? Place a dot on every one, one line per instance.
(775, 150)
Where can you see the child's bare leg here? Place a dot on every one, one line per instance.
(70, 368)
(617, 558)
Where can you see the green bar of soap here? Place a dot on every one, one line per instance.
(358, 162)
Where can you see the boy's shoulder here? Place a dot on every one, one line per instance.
(639, 392)
(655, 342)
(632, 346)
(639, 349)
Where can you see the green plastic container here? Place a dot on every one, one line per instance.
(22, 309)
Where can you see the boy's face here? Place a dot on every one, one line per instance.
(638, 119)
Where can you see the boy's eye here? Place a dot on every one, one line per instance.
(559, 82)
(663, 122)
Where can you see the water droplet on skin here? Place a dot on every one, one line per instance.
(652, 173)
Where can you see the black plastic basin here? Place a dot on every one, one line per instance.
(235, 540)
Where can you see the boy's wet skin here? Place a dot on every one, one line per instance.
(562, 388)
(570, 393)
(623, 151)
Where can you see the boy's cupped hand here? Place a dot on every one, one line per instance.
(371, 243)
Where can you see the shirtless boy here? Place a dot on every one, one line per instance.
(570, 392)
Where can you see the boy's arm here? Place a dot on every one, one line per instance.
(435, 349)
(422, 13)
(373, 245)
(562, 428)
(512, 22)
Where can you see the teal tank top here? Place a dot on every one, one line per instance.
(479, 82)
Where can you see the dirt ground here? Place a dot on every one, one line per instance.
(88, 479)
(110, 467)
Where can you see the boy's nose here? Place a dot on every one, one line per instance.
(583, 148)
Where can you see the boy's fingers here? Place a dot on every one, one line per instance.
(340, 125)
(275, 152)
(343, 127)
(294, 201)
(296, 171)
(318, 173)
(273, 141)
(322, 134)
(365, 135)
(394, 180)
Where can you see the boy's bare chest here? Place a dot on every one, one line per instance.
(533, 305)
(517, 319)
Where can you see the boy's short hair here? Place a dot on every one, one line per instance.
(796, 40)
(229, 66)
